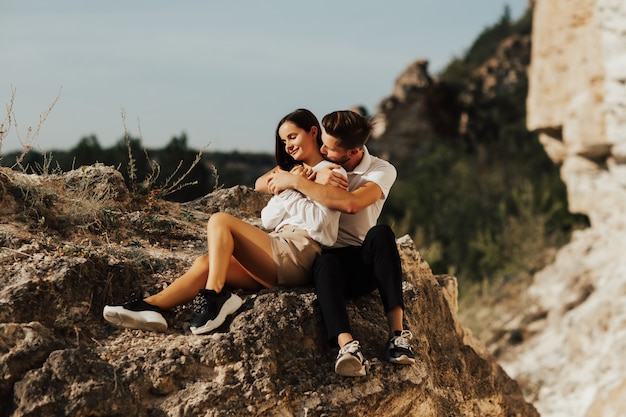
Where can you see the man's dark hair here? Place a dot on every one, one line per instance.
(349, 127)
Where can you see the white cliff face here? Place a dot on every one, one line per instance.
(575, 359)
(576, 98)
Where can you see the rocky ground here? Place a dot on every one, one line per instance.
(72, 243)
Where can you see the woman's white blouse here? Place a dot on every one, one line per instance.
(294, 208)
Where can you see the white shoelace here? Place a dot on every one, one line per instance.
(403, 340)
(351, 347)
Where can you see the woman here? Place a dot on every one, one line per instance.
(241, 256)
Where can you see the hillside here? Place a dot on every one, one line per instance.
(72, 243)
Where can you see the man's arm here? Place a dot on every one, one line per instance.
(328, 195)
(262, 185)
(261, 182)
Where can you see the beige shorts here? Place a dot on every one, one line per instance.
(294, 252)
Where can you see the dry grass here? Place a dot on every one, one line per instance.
(83, 201)
(149, 183)
(78, 199)
(30, 138)
(48, 198)
(5, 127)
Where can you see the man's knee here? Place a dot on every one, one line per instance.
(324, 262)
(380, 233)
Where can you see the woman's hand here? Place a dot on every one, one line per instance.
(279, 181)
(307, 173)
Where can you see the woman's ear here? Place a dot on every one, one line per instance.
(314, 132)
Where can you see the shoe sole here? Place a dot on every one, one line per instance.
(229, 307)
(402, 360)
(350, 366)
(144, 320)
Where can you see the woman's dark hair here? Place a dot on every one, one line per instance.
(351, 128)
(305, 120)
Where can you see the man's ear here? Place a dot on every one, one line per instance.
(352, 152)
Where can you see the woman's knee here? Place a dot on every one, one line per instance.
(218, 219)
(202, 261)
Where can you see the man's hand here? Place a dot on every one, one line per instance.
(326, 176)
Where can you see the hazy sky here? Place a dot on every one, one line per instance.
(223, 72)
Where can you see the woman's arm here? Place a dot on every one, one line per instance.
(321, 222)
(274, 212)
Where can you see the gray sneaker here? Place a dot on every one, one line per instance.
(350, 361)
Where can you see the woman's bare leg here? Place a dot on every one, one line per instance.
(252, 245)
(184, 288)
(230, 237)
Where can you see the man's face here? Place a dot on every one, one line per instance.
(332, 151)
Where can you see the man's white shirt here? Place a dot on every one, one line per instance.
(354, 227)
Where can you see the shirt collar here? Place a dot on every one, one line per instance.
(364, 164)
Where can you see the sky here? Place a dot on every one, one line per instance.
(222, 72)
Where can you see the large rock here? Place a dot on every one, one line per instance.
(403, 119)
(576, 99)
(58, 356)
(422, 108)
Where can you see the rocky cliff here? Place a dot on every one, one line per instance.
(574, 330)
(422, 108)
(72, 243)
(418, 107)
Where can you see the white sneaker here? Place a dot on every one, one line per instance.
(350, 361)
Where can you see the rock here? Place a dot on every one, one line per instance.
(59, 357)
(411, 114)
(576, 97)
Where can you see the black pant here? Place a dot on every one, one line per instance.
(353, 271)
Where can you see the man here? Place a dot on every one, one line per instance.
(365, 256)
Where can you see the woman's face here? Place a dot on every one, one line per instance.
(299, 143)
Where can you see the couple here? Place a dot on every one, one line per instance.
(324, 228)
